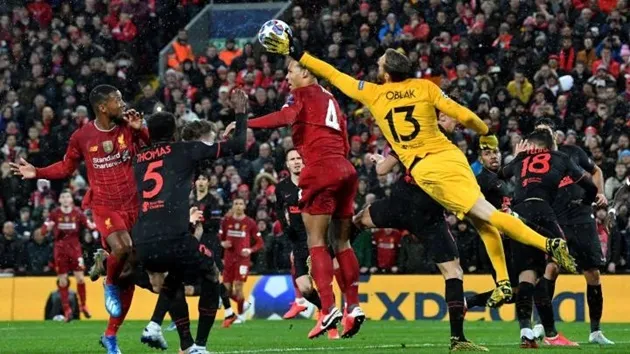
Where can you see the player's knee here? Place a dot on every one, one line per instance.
(527, 276)
(79, 277)
(592, 276)
(451, 270)
(551, 271)
(342, 245)
(304, 284)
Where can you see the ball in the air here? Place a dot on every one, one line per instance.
(277, 27)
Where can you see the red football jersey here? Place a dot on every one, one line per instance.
(318, 127)
(387, 245)
(108, 159)
(67, 228)
(242, 233)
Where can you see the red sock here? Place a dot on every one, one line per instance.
(239, 306)
(81, 291)
(126, 295)
(349, 266)
(114, 268)
(340, 280)
(63, 293)
(322, 272)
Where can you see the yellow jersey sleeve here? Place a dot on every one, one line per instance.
(464, 115)
(362, 91)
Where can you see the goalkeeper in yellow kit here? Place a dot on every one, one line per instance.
(405, 110)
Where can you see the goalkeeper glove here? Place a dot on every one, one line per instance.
(284, 46)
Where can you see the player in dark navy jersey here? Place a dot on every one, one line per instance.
(410, 208)
(164, 173)
(538, 171)
(578, 224)
(289, 214)
(496, 192)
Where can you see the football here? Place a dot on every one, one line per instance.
(277, 27)
(271, 297)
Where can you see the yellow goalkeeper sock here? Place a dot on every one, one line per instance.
(515, 229)
(494, 246)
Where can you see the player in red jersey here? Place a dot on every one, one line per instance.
(329, 184)
(107, 146)
(240, 238)
(66, 223)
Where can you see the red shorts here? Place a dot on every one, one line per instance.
(109, 221)
(68, 258)
(328, 188)
(235, 271)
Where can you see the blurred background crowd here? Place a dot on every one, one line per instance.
(510, 61)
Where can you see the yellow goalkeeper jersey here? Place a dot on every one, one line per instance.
(405, 111)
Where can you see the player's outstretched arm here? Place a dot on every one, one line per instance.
(464, 115)
(285, 116)
(236, 145)
(233, 146)
(361, 91)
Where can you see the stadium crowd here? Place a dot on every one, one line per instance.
(510, 61)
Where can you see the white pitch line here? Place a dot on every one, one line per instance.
(372, 347)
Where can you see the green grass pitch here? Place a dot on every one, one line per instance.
(290, 336)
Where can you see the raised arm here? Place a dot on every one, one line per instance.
(359, 90)
(285, 116)
(453, 109)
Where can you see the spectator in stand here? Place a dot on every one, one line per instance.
(24, 226)
(413, 257)
(614, 182)
(182, 51)
(520, 87)
(468, 246)
(11, 250)
(38, 254)
(230, 52)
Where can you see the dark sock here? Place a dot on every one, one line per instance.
(225, 297)
(179, 313)
(454, 295)
(161, 308)
(524, 304)
(313, 298)
(208, 304)
(595, 300)
(545, 307)
(551, 287)
(478, 300)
